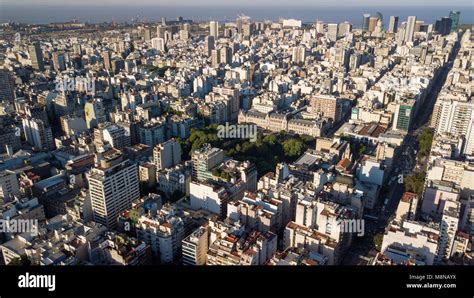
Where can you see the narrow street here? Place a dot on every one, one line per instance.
(363, 249)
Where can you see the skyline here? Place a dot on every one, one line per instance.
(120, 13)
(320, 3)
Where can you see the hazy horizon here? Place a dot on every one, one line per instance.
(45, 11)
(312, 3)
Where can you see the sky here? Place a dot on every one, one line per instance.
(312, 3)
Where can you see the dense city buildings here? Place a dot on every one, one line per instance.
(238, 141)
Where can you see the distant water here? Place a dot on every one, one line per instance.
(96, 14)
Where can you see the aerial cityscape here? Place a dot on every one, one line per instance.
(237, 140)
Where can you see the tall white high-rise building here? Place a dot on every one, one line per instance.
(452, 116)
(113, 185)
(298, 55)
(8, 184)
(158, 44)
(37, 134)
(214, 29)
(410, 28)
(116, 136)
(225, 54)
(393, 24)
(195, 247)
(321, 27)
(456, 118)
(167, 154)
(448, 228)
(215, 58)
(332, 31)
(344, 29)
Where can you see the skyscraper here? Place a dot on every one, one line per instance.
(344, 29)
(214, 29)
(321, 27)
(113, 185)
(63, 104)
(454, 16)
(299, 54)
(456, 118)
(158, 44)
(393, 24)
(365, 21)
(195, 247)
(160, 31)
(448, 227)
(147, 34)
(332, 32)
(116, 136)
(225, 55)
(209, 45)
(7, 86)
(419, 25)
(410, 28)
(215, 58)
(401, 31)
(36, 56)
(372, 23)
(379, 15)
(59, 61)
(77, 49)
(9, 185)
(204, 160)
(443, 26)
(187, 27)
(37, 134)
(9, 138)
(107, 57)
(378, 28)
(167, 154)
(239, 23)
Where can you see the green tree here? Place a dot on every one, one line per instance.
(415, 183)
(270, 139)
(293, 147)
(238, 148)
(247, 147)
(377, 239)
(307, 139)
(425, 139)
(225, 175)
